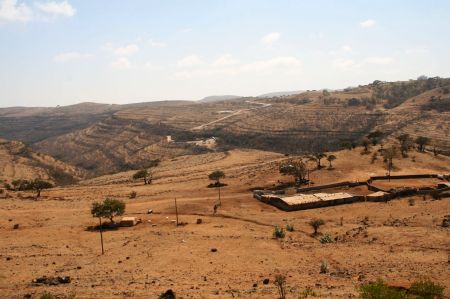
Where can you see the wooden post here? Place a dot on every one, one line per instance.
(176, 209)
(101, 233)
(390, 166)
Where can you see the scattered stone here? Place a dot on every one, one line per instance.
(8, 258)
(266, 281)
(16, 226)
(255, 285)
(213, 249)
(78, 267)
(150, 211)
(199, 221)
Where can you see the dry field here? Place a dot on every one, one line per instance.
(396, 241)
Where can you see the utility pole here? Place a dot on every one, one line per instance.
(176, 209)
(101, 233)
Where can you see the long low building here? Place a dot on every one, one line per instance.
(308, 201)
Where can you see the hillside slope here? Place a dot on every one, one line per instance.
(18, 161)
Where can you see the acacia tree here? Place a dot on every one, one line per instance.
(422, 142)
(143, 174)
(318, 157)
(216, 176)
(366, 143)
(389, 154)
(39, 185)
(330, 159)
(296, 168)
(36, 185)
(405, 143)
(109, 208)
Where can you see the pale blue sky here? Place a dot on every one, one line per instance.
(110, 51)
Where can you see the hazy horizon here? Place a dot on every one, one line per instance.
(67, 52)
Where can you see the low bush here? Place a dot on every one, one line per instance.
(323, 267)
(379, 290)
(326, 239)
(427, 289)
(290, 227)
(133, 194)
(278, 233)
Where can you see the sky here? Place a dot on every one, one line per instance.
(110, 51)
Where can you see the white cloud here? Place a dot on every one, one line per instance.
(349, 64)
(283, 65)
(15, 11)
(151, 66)
(121, 63)
(346, 48)
(11, 11)
(156, 44)
(342, 50)
(225, 60)
(272, 64)
(378, 60)
(186, 30)
(368, 23)
(417, 50)
(70, 56)
(344, 64)
(271, 38)
(127, 50)
(57, 8)
(189, 61)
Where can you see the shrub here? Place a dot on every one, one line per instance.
(290, 227)
(307, 293)
(46, 296)
(323, 267)
(411, 202)
(379, 290)
(280, 282)
(427, 289)
(315, 224)
(326, 239)
(133, 194)
(278, 232)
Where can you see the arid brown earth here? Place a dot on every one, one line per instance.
(399, 241)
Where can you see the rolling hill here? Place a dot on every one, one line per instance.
(103, 139)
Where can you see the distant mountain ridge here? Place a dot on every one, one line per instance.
(280, 94)
(211, 99)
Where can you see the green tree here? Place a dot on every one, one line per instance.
(216, 176)
(295, 168)
(109, 208)
(389, 154)
(316, 224)
(366, 143)
(405, 143)
(318, 156)
(422, 142)
(38, 185)
(143, 174)
(330, 159)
